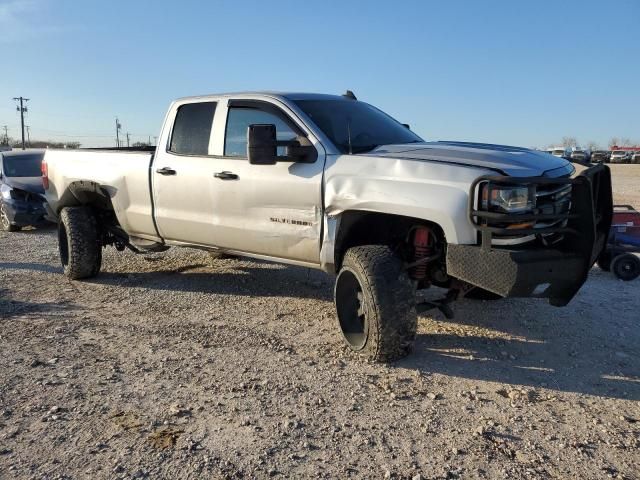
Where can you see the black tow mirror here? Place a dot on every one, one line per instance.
(262, 145)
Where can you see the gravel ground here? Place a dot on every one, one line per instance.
(173, 366)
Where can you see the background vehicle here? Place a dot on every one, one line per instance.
(623, 244)
(620, 156)
(21, 191)
(635, 158)
(580, 155)
(561, 152)
(333, 183)
(600, 156)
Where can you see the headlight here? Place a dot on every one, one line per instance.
(508, 199)
(6, 193)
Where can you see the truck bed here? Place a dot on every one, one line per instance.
(123, 171)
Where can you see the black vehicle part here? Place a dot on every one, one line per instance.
(440, 304)
(376, 303)
(482, 294)
(626, 267)
(555, 272)
(604, 260)
(79, 243)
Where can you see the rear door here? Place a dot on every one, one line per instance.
(182, 175)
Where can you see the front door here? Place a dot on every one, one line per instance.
(272, 210)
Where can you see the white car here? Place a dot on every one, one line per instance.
(333, 183)
(620, 156)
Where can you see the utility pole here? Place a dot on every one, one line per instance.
(28, 134)
(127, 139)
(118, 127)
(22, 109)
(149, 141)
(6, 134)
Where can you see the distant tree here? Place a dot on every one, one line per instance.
(625, 141)
(593, 145)
(46, 144)
(569, 142)
(140, 144)
(614, 141)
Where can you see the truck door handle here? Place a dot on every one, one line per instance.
(226, 176)
(166, 171)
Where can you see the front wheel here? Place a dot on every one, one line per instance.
(376, 303)
(79, 243)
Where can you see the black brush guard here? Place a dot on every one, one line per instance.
(556, 272)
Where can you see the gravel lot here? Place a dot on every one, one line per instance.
(173, 366)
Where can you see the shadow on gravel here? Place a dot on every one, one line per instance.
(238, 280)
(568, 353)
(34, 267)
(14, 308)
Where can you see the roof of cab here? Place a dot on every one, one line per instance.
(288, 95)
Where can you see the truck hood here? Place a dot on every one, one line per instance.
(512, 161)
(28, 184)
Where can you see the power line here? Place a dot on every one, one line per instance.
(22, 109)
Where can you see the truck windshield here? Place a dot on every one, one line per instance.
(356, 127)
(22, 165)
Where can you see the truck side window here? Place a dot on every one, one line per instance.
(239, 119)
(192, 128)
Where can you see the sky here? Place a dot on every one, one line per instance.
(521, 73)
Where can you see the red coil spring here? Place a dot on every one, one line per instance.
(422, 249)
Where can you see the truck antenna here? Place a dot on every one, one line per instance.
(349, 135)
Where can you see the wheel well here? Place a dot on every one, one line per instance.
(85, 193)
(370, 228)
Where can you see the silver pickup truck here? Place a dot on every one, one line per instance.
(333, 183)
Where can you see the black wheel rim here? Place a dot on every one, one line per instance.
(628, 268)
(351, 309)
(63, 245)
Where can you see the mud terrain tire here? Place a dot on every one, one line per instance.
(376, 303)
(78, 243)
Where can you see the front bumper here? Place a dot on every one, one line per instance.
(557, 272)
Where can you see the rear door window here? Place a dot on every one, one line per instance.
(192, 128)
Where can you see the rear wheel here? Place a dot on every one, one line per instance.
(5, 223)
(376, 303)
(79, 243)
(626, 267)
